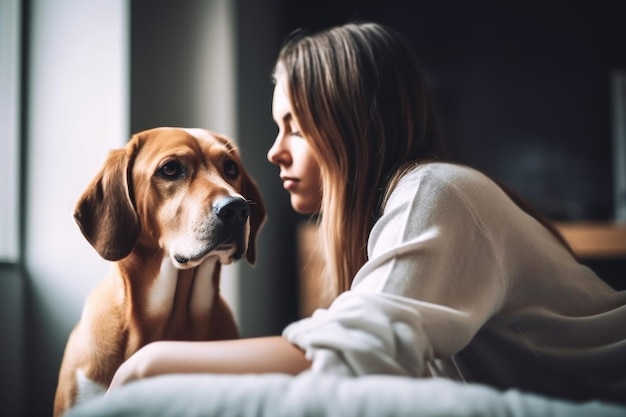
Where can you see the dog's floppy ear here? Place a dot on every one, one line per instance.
(257, 214)
(105, 212)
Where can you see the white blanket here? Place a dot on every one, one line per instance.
(317, 395)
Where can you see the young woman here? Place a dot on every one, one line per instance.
(432, 266)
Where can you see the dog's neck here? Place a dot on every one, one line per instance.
(169, 287)
(167, 297)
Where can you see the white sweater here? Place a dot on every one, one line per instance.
(458, 276)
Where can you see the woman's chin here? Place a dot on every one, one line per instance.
(303, 207)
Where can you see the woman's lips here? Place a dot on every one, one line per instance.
(289, 183)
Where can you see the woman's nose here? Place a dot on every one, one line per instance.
(278, 153)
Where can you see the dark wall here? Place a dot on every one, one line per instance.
(268, 289)
(12, 381)
(521, 87)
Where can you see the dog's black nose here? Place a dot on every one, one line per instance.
(232, 210)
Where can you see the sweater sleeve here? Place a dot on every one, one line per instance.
(431, 282)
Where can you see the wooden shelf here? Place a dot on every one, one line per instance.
(595, 239)
(310, 265)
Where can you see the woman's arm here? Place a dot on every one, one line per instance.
(273, 354)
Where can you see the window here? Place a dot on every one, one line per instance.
(10, 27)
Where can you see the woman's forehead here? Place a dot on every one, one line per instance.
(280, 102)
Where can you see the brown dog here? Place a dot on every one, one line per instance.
(169, 209)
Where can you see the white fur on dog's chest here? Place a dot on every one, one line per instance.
(160, 299)
(87, 389)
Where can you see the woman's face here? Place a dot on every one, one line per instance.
(299, 169)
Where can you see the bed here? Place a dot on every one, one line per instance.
(314, 394)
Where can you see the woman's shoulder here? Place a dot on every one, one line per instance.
(449, 187)
(445, 174)
(455, 190)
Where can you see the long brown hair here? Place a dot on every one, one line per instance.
(359, 97)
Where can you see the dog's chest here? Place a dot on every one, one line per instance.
(179, 302)
(86, 388)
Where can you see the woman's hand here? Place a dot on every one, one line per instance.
(273, 354)
(138, 366)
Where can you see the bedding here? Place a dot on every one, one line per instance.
(315, 394)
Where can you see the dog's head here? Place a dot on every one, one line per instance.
(182, 190)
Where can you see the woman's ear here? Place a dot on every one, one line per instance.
(105, 212)
(258, 214)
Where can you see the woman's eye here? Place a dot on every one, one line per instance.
(171, 170)
(294, 129)
(231, 169)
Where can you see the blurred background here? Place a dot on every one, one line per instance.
(531, 92)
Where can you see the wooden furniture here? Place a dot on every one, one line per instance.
(595, 240)
(310, 266)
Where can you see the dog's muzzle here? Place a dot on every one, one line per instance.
(225, 234)
(233, 213)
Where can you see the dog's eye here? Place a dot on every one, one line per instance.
(171, 170)
(231, 168)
